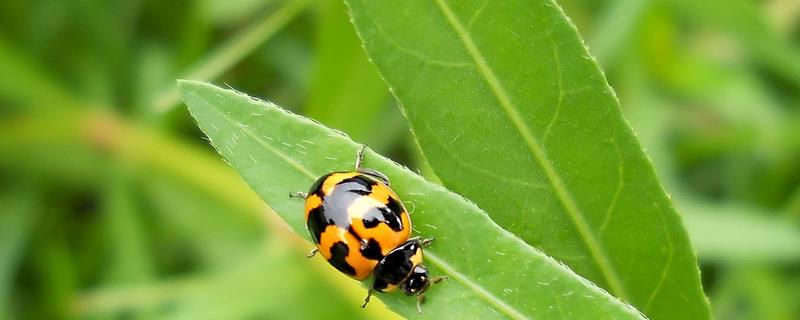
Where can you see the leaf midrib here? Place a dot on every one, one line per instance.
(567, 200)
(439, 262)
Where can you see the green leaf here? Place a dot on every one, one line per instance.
(17, 218)
(744, 21)
(346, 90)
(129, 259)
(753, 292)
(615, 28)
(513, 113)
(736, 233)
(277, 282)
(31, 86)
(492, 272)
(226, 55)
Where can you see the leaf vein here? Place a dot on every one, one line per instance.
(247, 131)
(620, 186)
(500, 304)
(487, 173)
(420, 56)
(561, 93)
(663, 276)
(477, 14)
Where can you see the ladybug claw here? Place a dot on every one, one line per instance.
(366, 300)
(360, 156)
(375, 174)
(312, 253)
(298, 195)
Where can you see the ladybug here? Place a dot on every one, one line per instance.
(361, 228)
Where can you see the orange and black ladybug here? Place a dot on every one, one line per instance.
(361, 227)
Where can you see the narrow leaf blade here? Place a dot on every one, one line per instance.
(512, 113)
(492, 273)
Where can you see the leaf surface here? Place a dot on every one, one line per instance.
(512, 112)
(493, 274)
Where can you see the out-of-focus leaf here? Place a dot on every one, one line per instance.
(30, 144)
(346, 91)
(127, 248)
(614, 28)
(744, 20)
(54, 266)
(217, 230)
(16, 219)
(513, 113)
(226, 12)
(128, 251)
(738, 234)
(27, 83)
(752, 292)
(271, 283)
(492, 272)
(792, 207)
(225, 56)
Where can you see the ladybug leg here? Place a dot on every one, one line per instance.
(369, 172)
(312, 253)
(426, 242)
(366, 300)
(420, 301)
(422, 242)
(302, 195)
(438, 279)
(421, 297)
(374, 173)
(360, 156)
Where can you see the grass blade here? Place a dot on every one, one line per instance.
(219, 60)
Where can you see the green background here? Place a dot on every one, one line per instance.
(113, 206)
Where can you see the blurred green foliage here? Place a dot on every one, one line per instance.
(113, 206)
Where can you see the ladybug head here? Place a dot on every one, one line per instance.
(417, 282)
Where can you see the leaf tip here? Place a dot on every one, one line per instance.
(185, 85)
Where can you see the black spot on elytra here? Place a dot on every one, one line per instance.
(371, 221)
(339, 252)
(392, 217)
(372, 250)
(315, 188)
(394, 205)
(359, 184)
(353, 232)
(390, 214)
(316, 223)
